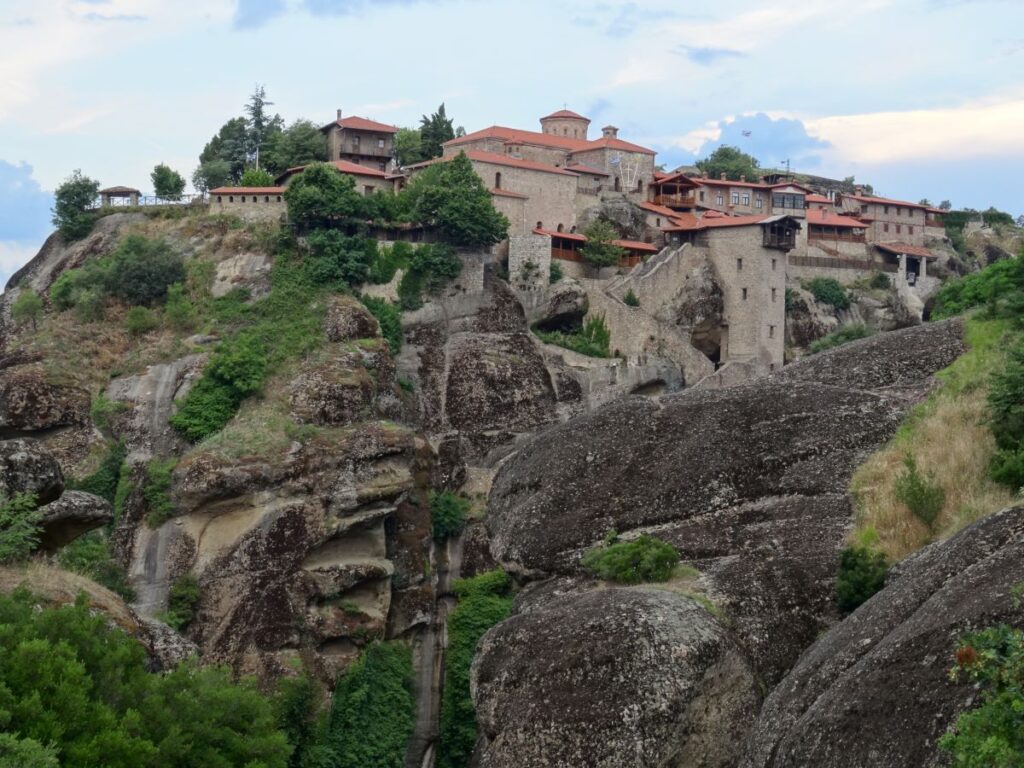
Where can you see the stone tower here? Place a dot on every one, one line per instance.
(566, 123)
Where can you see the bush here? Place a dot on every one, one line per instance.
(829, 291)
(179, 313)
(555, 273)
(593, 340)
(62, 291)
(167, 183)
(141, 270)
(861, 574)
(484, 601)
(993, 733)
(922, 495)
(447, 514)
(256, 177)
(390, 318)
(70, 203)
(1006, 419)
(140, 320)
(27, 307)
(372, 713)
(182, 601)
(998, 288)
(837, 338)
(632, 562)
(157, 491)
(337, 261)
(20, 524)
(879, 280)
(630, 299)
(103, 482)
(389, 261)
(90, 556)
(299, 705)
(74, 681)
(26, 753)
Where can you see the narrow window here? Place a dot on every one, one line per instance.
(266, 199)
(739, 264)
(702, 196)
(910, 229)
(773, 265)
(744, 294)
(657, 222)
(497, 180)
(899, 229)
(885, 209)
(746, 199)
(231, 198)
(219, 199)
(771, 331)
(255, 199)
(885, 226)
(735, 198)
(719, 199)
(380, 143)
(540, 225)
(773, 293)
(759, 202)
(279, 198)
(560, 227)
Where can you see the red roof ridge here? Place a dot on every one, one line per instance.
(361, 124)
(247, 191)
(565, 113)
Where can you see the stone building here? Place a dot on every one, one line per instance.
(368, 179)
(888, 220)
(361, 141)
(249, 203)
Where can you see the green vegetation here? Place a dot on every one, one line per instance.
(103, 482)
(19, 528)
(320, 196)
(731, 161)
(301, 714)
(998, 290)
(71, 681)
(372, 714)
(256, 177)
(388, 261)
(600, 250)
(90, 556)
(861, 574)
(140, 321)
(555, 273)
(182, 602)
(390, 318)
(455, 200)
(829, 291)
(992, 734)
(922, 495)
(839, 337)
(27, 308)
(434, 131)
(71, 202)
(157, 491)
(447, 514)
(337, 261)
(593, 339)
(431, 268)
(641, 560)
(630, 299)
(484, 601)
(408, 146)
(26, 753)
(167, 183)
(1006, 408)
(879, 281)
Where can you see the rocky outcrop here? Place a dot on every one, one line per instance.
(29, 403)
(566, 305)
(26, 468)
(612, 678)
(748, 483)
(73, 514)
(348, 320)
(875, 690)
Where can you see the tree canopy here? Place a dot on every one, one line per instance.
(256, 177)
(599, 250)
(70, 207)
(454, 199)
(731, 161)
(167, 183)
(435, 130)
(408, 146)
(320, 196)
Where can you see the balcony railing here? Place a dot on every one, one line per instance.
(839, 263)
(678, 200)
(366, 150)
(781, 242)
(822, 236)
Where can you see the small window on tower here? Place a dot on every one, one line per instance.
(773, 293)
(739, 264)
(773, 264)
(744, 294)
(771, 331)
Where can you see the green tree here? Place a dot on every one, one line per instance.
(19, 530)
(301, 715)
(258, 124)
(256, 177)
(167, 183)
(600, 250)
(141, 269)
(72, 200)
(731, 161)
(945, 205)
(447, 514)
(861, 574)
(321, 196)
(27, 307)
(408, 146)
(435, 130)
(300, 143)
(459, 205)
(211, 175)
(26, 753)
(228, 146)
(337, 260)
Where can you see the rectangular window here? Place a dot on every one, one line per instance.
(773, 265)
(735, 198)
(885, 209)
(719, 199)
(771, 331)
(657, 222)
(899, 229)
(355, 142)
(744, 294)
(746, 199)
(380, 143)
(773, 293)
(702, 196)
(780, 200)
(910, 229)
(886, 226)
(759, 202)
(739, 264)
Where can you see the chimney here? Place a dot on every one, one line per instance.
(743, 177)
(721, 176)
(704, 175)
(858, 190)
(610, 132)
(339, 114)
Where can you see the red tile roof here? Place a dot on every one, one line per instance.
(566, 235)
(517, 136)
(675, 178)
(636, 245)
(828, 219)
(818, 199)
(361, 124)
(909, 250)
(120, 191)
(507, 193)
(625, 146)
(247, 191)
(885, 201)
(352, 169)
(565, 113)
(632, 245)
(479, 156)
(751, 184)
(714, 220)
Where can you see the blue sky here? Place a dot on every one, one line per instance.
(921, 98)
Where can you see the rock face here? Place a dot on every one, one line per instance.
(762, 517)
(875, 689)
(566, 305)
(614, 678)
(27, 468)
(28, 403)
(73, 514)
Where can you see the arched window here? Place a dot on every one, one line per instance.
(266, 199)
(255, 199)
(618, 184)
(565, 131)
(279, 198)
(497, 180)
(560, 227)
(540, 225)
(219, 200)
(231, 198)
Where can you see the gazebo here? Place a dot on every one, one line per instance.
(121, 194)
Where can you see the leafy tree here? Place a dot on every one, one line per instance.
(600, 250)
(861, 574)
(829, 291)
(435, 130)
(459, 205)
(27, 307)
(70, 208)
(141, 269)
(409, 146)
(1006, 411)
(945, 205)
(924, 201)
(300, 143)
(19, 531)
(229, 147)
(337, 260)
(447, 514)
(644, 559)
(321, 196)
(167, 183)
(26, 753)
(211, 175)
(256, 177)
(732, 161)
(301, 715)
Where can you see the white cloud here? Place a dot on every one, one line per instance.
(13, 256)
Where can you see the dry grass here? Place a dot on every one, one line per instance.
(949, 438)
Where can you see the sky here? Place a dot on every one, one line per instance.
(920, 98)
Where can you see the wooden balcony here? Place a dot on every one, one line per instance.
(678, 200)
(366, 150)
(781, 242)
(827, 237)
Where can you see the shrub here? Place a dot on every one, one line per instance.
(922, 495)
(555, 273)
(179, 312)
(632, 562)
(20, 524)
(338, 261)
(62, 292)
(103, 482)
(879, 280)
(861, 574)
(141, 270)
(390, 318)
(256, 177)
(389, 261)
(447, 514)
(372, 713)
(630, 299)
(993, 733)
(484, 601)
(299, 706)
(90, 556)
(837, 338)
(600, 250)
(593, 340)
(70, 203)
(998, 288)
(431, 268)
(167, 183)
(27, 308)
(140, 320)
(157, 491)
(829, 291)
(182, 601)
(26, 753)
(90, 305)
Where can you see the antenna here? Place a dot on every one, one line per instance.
(789, 175)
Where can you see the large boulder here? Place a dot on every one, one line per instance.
(30, 403)
(566, 306)
(749, 483)
(612, 678)
(26, 468)
(875, 690)
(73, 514)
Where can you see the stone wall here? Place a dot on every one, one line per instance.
(250, 207)
(551, 197)
(529, 266)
